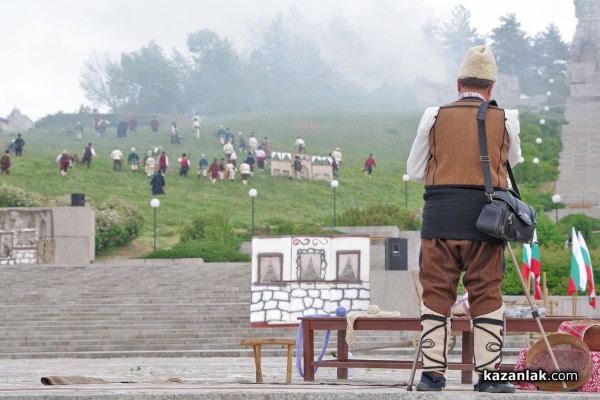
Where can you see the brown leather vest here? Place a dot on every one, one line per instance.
(454, 157)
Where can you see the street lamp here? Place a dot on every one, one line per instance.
(542, 123)
(252, 193)
(536, 161)
(154, 203)
(538, 141)
(556, 199)
(334, 184)
(406, 178)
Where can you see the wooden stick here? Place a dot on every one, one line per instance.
(575, 303)
(535, 314)
(414, 280)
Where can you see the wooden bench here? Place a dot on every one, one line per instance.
(459, 324)
(257, 347)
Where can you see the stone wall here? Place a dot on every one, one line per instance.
(55, 235)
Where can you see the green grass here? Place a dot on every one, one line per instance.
(357, 134)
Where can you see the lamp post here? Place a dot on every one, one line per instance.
(536, 161)
(542, 123)
(538, 141)
(252, 193)
(334, 185)
(154, 203)
(406, 178)
(556, 199)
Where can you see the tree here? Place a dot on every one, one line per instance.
(147, 81)
(96, 74)
(216, 77)
(551, 55)
(512, 49)
(453, 38)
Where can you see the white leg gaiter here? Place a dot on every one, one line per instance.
(488, 339)
(435, 334)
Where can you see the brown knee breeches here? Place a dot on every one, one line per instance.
(442, 263)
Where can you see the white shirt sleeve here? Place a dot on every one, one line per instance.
(416, 166)
(513, 128)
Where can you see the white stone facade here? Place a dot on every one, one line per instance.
(294, 276)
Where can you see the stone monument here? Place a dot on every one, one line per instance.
(579, 159)
(52, 235)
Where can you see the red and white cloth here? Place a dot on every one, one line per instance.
(577, 328)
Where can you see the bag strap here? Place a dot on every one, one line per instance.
(485, 158)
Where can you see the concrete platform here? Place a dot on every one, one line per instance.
(220, 378)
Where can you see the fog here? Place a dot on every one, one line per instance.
(48, 42)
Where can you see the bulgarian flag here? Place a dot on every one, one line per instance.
(578, 276)
(531, 268)
(588, 269)
(536, 269)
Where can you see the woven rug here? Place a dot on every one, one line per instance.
(71, 380)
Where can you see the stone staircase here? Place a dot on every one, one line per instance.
(134, 308)
(153, 308)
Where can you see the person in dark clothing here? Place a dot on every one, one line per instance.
(445, 156)
(88, 153)
(122, 129)
(19, 143)
(250, 161)
(158, 183)
(5, 163)
(154, 124)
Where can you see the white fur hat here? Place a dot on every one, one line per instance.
(479, 63)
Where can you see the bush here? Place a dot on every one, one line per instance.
(117, 223)
(11, 196)
(587, 226)
(213, 227)
(280, 226)
(210, 251)
(381, 215)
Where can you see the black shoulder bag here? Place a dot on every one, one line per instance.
(505, 216)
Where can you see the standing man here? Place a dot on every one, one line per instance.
(337, 155)
(158, 183)
(300, 145)
(369, 164)
(253, 142)
(297, 167)
(133, 159)
(184, 163)
(154, 124)
(122, 129)
(117, 156)
(267, 147)
(132, 124)
(78, 130)
(5, 163)
(19, 144)
(149, 164)
(202, 165)
(445, 156)
(163, 162)
(196, 124)
(88, 153)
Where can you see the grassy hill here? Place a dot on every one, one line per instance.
(387, 135)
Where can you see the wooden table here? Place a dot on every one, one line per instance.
(460, 324)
